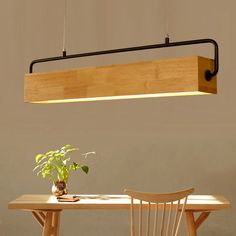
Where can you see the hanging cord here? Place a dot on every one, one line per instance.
(208, 74)
(167, 35)
(64, 30)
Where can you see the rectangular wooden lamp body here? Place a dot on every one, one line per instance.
(169, 77)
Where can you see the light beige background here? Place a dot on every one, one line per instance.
(162, 144)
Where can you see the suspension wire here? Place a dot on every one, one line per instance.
(64, 29)
(167, 20)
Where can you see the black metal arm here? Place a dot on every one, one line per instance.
(208, 73)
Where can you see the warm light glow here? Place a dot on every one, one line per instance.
(124, 97)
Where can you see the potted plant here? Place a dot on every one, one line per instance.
(57, 166)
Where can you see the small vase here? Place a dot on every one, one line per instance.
(59, 188)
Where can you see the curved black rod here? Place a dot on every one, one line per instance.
(208, 73)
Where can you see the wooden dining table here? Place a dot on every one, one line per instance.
(47, 210)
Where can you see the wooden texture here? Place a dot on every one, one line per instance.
(166, 224)
(44, 202)
(181, 76)
(49, 221)
(47, 229)
(203, 216)
(191, 223)
(175, 217)
(155, 221)
(41, 205)
(38, 218)
(56, 223)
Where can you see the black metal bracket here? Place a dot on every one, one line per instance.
(208, 73)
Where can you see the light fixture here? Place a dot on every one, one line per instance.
(171, 77)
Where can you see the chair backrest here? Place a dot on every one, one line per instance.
(165, 209)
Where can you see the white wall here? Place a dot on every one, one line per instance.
(162, 144)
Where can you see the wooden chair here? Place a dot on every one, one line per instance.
(165, 209)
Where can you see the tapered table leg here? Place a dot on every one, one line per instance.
(49, 221)
(191, 224)
(47, 229)
(56, 223)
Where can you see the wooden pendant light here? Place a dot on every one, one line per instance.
(171, 77)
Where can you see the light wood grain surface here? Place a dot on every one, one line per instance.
(169, 77)
(103, 201)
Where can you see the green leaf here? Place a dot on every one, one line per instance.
(85, 169)
(72, 149)
(65, 161)
(44, 157)
(38, 157)
(50, 153)
(58, 163)
(66, 146)
(75, 166)
(51, 177)
(51, 159)
(59, 155)
(36, 167)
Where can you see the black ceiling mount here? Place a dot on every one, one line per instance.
(208, 73)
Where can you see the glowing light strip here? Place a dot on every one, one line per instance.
(124, 97)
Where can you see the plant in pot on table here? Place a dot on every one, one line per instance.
(57, 166)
